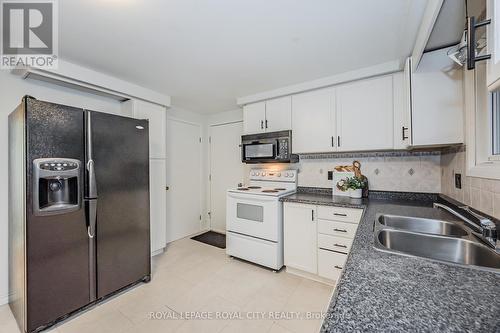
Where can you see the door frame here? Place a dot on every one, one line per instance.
(200, 171)
(209, 191)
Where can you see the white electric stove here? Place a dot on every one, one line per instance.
(254, 217)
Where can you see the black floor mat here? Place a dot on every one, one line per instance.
(212, 238)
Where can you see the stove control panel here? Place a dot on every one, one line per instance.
(273, 175)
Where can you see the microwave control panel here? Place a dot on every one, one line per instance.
(282, 149)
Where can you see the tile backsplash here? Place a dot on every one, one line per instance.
(385, 171)
(390, 173)
(479, 193)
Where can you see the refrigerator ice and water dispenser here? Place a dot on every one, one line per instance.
(56, 187)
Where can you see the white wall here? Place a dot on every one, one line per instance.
(12, 89)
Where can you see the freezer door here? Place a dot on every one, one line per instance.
(120, 156)
(57, 242)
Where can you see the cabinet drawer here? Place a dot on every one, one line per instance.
(342, 214)
(334, 243)
(330, 264)
(336, 228)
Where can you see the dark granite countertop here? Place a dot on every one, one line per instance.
(383, 292)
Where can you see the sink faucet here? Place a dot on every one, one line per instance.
(487, 228)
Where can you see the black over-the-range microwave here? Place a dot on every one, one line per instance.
(273, 147)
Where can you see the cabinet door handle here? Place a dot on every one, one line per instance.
(403, 132)
(333, 144)
(266, 123)
(339, 214)
(262, 124)
(340, 245)
(338, 267)
(340, 230)
(167, 188)
(312, 215)
(338, 141)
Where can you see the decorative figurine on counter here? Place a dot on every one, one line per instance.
(348, 181)
(363, 179)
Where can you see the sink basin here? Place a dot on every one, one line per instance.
(428, 226)
(442, 248)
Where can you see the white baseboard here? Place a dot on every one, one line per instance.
(219, 231)
(4, 299)
(310, 276)
(157, 252)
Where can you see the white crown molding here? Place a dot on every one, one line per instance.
(366, 72)
(82, 78)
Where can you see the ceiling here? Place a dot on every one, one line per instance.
(205, 54)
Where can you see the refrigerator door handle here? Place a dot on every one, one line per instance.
(92, 184)
(91, 231)
(92, 218)
(92, 180)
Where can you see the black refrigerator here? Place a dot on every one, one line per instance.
(78, 209)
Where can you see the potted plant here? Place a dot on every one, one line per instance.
(356, 186)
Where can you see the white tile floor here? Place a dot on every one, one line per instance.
(200, 279)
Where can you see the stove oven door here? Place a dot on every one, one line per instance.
(254, 215)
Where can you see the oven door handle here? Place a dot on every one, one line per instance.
(251, 197)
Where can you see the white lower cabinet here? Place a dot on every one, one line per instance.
(300, 237)
(317, 248)
(330, 264)
(334, 243)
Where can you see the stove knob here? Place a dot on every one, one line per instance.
(257, 174)
(278, 174)
(263, 174)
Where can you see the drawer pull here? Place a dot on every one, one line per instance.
(339, 214)
(338, 267)
(340, 245)
(340, 230)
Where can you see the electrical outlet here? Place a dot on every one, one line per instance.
(458, 181)
(330, 175)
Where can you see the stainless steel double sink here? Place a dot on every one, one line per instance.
(439, 240)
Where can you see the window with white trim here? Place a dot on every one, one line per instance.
(482, 123)
(495, 124)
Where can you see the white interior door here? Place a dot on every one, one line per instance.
(226, 169)
(183, 179)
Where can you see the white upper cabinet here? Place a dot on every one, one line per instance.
(493, 37)
(269, 116)
(313, 118)
(402, 117)
(278, 114)
(254, 117)
(437, 101)
(365, 115)
(156, 115)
